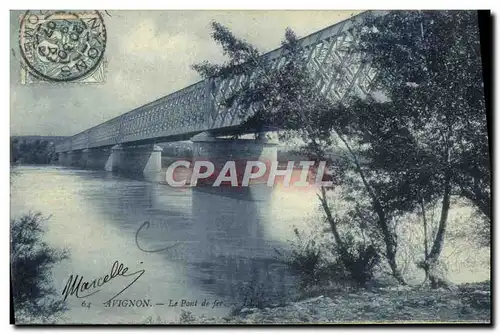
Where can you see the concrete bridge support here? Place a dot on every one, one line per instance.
(62, 158)
(220, 150)
(144, 159)
(74, 158)
(94, 158)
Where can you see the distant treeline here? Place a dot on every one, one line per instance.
(31, 151)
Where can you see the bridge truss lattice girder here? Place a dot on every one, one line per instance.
(338, 71)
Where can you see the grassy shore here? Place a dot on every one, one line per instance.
(467, 303)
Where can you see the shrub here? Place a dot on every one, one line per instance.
(31, 262)
(358, 260)
(305, 259)
(186, 317)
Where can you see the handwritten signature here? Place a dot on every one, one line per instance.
(145, 226)
(80, 288)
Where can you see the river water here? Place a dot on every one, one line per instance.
(223, 244)
(224, 250)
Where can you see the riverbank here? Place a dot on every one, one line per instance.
(470, 303)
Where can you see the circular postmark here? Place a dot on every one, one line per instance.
(62, 46)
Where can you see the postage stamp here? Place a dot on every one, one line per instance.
(62, 46)
(250, 167)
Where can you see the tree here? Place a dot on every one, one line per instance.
(31, 151)
(31, 262)
(429, 141)
(419, 137)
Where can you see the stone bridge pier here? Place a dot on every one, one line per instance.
(220, 150)
(62, 158)
(94, 158)
(144, 159)
(128, 160)
(72, 158)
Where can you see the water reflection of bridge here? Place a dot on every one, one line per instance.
(238, 257)
(225, 247)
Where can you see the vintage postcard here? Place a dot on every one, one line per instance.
(250, 167)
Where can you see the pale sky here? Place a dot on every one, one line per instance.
(148, 55)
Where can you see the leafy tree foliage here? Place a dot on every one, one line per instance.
(286, 97)
(31, 151)
(31, 262)
(419, 138)
(428, 142)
